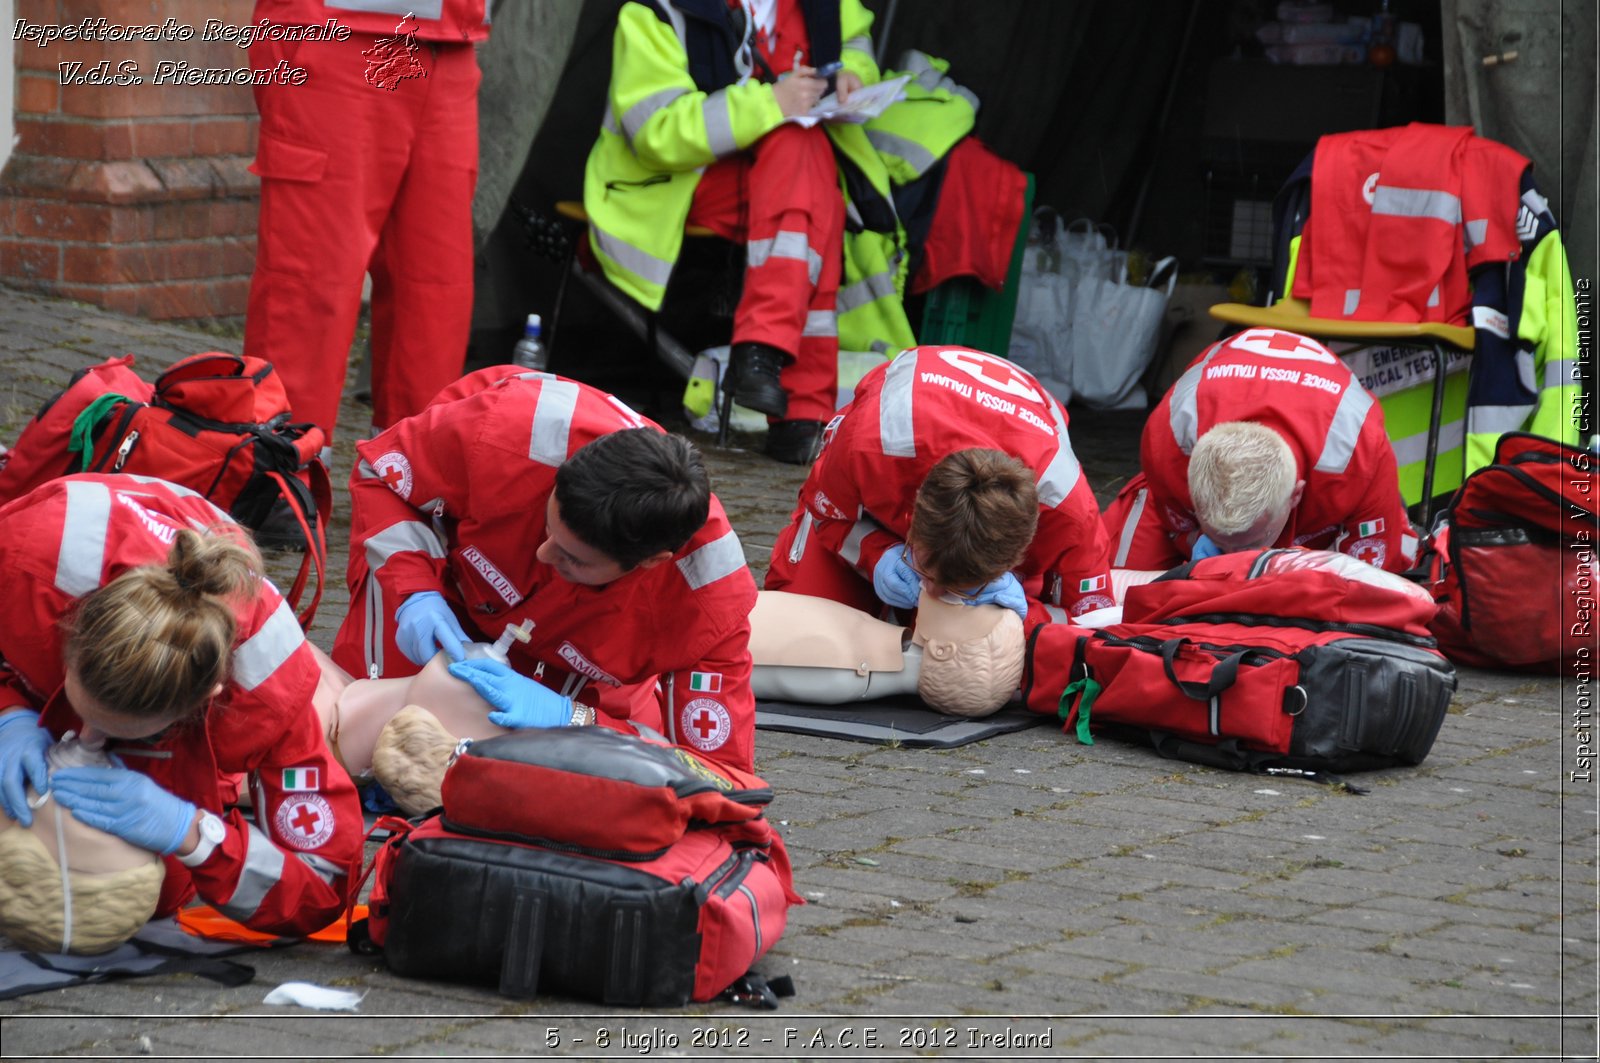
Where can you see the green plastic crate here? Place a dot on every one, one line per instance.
(963, 312)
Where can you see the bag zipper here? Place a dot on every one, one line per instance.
(733, 883)
(618, 855)
(124, 449)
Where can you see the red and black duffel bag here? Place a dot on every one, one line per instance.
(1512, 562)
(588, 863)
(1270, 660)
(216, 423)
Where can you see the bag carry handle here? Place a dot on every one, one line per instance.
(310, 506)
(1223, 674)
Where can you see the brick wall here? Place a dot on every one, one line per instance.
(134, 197)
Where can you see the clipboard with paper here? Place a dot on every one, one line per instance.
(864, 104)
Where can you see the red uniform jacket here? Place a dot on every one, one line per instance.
(908, 415)
(1302, 391)
(453, 500)
(288, 866)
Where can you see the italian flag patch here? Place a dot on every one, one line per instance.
(302, 779)
(1094, 583)
(1370, 527)
(705, 682)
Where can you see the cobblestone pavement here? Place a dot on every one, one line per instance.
(1021, 896)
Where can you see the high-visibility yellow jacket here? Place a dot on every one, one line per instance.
(677, 104)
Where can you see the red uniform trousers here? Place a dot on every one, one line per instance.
(817, 572)
(782, 199)
(354, 178)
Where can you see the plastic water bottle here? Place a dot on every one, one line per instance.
(529, 353)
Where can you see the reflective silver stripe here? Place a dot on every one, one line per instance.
(895, 424)
(179, 490)
(1339, 445)
(263, 869)
(1352, 299)
(821, 323)
(1413, 449)
(1560, 373)
(264, 652)
(965, 93)
(377, 622)
(83, 538)
(418, 8)
(802, 535)
(860, 44)
(1525, 372)
(919, 157)
(551, 432)
(1135, 513)
(1475, 232)
(322, 867)
(637, 115)
(1495, 420)
(609, 123)
(719, 124)
(1417, 203)
(1061, 475)
(365, 471)
(1535, 202)
(1184, 412)
(721, 557)
(1433, 296)
(1058, 615)
(850, 549)
(864, 291)
(639, 262)
(787, 244)
(399, 538)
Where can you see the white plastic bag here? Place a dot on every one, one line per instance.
(1115, 326)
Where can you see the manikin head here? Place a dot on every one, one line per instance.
(972, 655)
(1245, 483)
(108, 891)
(973, 519)
(627, 500)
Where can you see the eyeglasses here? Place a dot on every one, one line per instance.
(934, 585)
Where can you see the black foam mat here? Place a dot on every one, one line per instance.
(903, 719)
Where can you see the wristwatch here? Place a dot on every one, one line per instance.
(212, 831)
(582, 715)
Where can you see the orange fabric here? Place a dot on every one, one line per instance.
(204, 921)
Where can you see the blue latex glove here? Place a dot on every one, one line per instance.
(522, 702)
(1204, 548)
(894, 581)
(1004, 590)
(118, 801)
(425, 625)
(22, 746)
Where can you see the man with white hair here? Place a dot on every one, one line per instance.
(1266, 440)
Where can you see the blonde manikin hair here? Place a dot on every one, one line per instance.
(159, 637)
(1239, 472)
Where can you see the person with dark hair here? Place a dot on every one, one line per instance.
(524, 497)
(950, 470)
(140, 621)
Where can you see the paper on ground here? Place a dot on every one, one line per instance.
(309, 995)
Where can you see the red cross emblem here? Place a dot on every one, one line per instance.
(1000, 374)
(706, 723)
(1276, 343)
(394, 470)
(304, 821)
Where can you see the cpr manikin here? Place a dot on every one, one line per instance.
(403, 732)
(965, 660)
(66, 886)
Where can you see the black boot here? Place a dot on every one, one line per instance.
(752, 378)
(794, 442)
